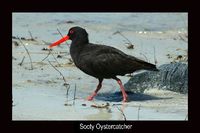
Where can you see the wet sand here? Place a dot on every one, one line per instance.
(39, 94)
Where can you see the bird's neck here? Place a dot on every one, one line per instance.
(81, 40)
(78, 43)
(76, 47)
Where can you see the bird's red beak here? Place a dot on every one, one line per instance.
(65, 38)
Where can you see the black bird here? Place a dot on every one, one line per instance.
(101, 61)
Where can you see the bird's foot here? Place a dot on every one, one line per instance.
(90, 98)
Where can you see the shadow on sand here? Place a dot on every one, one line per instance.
(117, 97)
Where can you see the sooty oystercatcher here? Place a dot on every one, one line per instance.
(101, 61)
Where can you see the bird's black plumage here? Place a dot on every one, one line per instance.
(101, 61)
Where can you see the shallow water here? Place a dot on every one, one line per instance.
(48, 22)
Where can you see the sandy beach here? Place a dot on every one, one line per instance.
(39, 94)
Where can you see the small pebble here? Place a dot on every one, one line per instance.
(83, 104)
(59, 56)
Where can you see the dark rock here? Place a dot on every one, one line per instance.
(129, 46)
(66, 22)
(46, 49)
(15, 43)
(30, 39)
(70, 22)
(83, 104)
(14, 37)
(173, 77)
(179, 57)
(59, 56)
(23, 38)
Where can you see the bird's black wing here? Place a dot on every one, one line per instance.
(109, 61)
(103, 61)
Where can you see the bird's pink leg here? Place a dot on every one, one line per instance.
(90, 98)
(125, 96)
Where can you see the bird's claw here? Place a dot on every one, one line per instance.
(90, 98)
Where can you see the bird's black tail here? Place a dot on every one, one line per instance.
(141, 64)
(149, 66)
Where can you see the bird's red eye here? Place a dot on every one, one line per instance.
(71, 31)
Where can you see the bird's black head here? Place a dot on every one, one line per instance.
(77, 33)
